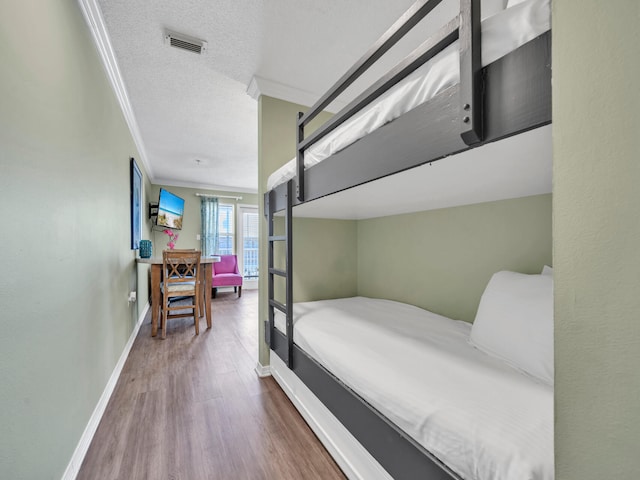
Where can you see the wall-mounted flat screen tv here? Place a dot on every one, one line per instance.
(170, 210)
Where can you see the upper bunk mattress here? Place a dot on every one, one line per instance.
(479, 416)
(501, 34)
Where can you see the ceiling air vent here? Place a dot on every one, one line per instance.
(185, 42)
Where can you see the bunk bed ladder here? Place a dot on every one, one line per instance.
(287, 273)
(300, 157)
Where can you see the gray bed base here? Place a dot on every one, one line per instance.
(400, 455)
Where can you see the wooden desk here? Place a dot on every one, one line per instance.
(156, 274)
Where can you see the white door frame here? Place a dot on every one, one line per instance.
(240, 208)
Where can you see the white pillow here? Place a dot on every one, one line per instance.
(513, 3)
(489, 8)
(547, 270)
(515, 322)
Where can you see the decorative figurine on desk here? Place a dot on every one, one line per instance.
(146, 249)
(173, 238)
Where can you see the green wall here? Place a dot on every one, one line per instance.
(192, 225)
(596, 115)
(143, 270)
(67, 263)
(441, 260)
(324, 263)
(276, 146)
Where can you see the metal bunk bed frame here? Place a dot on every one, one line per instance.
(509, 96)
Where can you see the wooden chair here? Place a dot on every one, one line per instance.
(201, 277)
(181, 272)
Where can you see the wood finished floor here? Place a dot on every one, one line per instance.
(192, 407)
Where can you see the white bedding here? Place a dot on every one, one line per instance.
(482, 418)
(501, 34)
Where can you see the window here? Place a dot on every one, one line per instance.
(226, 229)
(250, 243)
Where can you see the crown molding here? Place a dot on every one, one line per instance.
(95, 21)
(263, 86)
(204, 186)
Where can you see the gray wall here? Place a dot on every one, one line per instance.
(67, 265)
(596, 115)
(441, 260)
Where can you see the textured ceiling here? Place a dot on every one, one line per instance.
(197, 123)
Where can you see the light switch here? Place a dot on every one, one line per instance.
(198, 237)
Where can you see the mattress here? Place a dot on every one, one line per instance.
(501, 33)
(482, 418)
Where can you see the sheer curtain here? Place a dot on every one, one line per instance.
(209, 215)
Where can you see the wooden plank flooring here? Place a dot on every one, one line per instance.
(192, 407)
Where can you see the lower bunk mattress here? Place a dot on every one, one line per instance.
(479, 416)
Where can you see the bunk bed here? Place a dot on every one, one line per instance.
(476, 414)
(494, 82)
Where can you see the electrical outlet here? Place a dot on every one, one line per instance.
(132, 297)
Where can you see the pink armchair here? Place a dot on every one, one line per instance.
(226, 274)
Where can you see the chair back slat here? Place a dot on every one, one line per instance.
(182, 278)
(180, 266)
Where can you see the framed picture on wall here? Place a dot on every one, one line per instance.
(136, 201)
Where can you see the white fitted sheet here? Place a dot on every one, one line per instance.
(501, 34)
(482, 418)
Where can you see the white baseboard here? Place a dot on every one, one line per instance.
(354, 460)
(85, 440)
(263, 370)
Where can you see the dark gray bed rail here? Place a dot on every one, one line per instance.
(465, 27)
(399, 454)
(516, 97)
